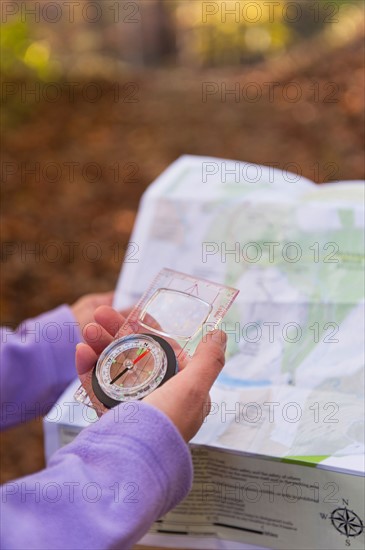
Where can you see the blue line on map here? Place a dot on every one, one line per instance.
(229, 381)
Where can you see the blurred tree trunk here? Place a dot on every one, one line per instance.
(145, 33)
(158, 32)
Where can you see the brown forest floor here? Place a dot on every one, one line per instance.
(169, 119)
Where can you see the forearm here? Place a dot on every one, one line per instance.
(37, 364)
(105, 489)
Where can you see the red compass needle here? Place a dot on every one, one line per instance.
(141, 356)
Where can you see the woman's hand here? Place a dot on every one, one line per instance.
(185, 397)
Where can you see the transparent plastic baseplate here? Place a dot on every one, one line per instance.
(177, 307)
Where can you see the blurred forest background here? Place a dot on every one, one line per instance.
(99, 97)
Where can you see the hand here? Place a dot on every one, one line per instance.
(185, 397)
(84, 308)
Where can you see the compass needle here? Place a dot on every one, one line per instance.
(118, 376)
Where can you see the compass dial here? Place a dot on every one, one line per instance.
(132, 367)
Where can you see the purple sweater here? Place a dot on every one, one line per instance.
(106, 488)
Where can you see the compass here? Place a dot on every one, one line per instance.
(168, 322)
(347, 522)
(132, 367)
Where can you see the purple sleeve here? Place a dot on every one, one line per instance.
(37, 364)
(103, 490)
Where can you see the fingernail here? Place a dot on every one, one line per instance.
(220, 337)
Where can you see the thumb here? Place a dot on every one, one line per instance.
(207, 362)
(185, 397)
(85, 358)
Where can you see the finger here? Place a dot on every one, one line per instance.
(126, 312)
(85, 362)
(97, 337)
(207, 362)
(128, 327)
(133, 325)
(85, 358)
(105, 298)
(109, 319)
